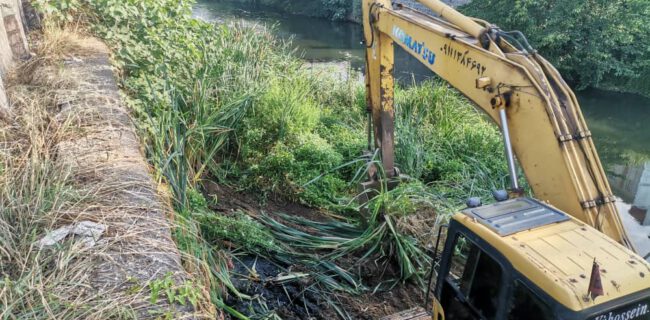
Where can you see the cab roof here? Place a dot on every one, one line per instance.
(558, 257)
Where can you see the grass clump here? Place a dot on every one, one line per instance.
(32, 191)
(380, 242)
(294, 133)
(239, 229)
(444, 142)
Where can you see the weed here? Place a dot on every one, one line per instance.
(181, 294)
(239, 229)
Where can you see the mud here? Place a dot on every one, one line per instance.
(299, 299)
(258, 278)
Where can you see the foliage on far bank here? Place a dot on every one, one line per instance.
(593, 43)
(328, 9)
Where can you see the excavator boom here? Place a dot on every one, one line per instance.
(516, 87)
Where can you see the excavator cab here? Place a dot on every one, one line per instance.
(523, 259)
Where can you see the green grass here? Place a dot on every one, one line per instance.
(379, 242)
(444, 142)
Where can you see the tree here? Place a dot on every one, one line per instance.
(599, 43)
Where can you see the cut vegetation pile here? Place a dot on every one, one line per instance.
(227, 107)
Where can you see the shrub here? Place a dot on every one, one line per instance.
(444, 141)
(592, 42)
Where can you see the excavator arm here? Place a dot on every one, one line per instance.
(517, 88)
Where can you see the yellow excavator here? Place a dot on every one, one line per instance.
(561, 255)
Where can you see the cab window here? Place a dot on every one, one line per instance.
(474, 282)
(524, 304)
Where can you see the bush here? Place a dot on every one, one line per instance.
(441, 139)
(592, 42)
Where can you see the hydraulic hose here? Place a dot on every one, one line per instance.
(450, 14)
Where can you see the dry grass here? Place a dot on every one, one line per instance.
(52, 45)
(422, 226)
(35, 193)
(43, 186)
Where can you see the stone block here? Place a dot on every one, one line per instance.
(15, 35)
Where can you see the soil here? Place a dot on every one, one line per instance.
(254, 276)
(257, 278)
(230, 200)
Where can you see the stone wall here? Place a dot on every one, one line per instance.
(13, 42)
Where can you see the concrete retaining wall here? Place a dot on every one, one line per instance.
(13, 42)
(105, 159)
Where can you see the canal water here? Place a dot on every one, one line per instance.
(620, 123)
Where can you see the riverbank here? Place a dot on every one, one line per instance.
(240, 134)
(260, 157)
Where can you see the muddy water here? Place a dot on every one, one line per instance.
(620, 123)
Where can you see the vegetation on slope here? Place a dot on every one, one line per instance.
(229, 103)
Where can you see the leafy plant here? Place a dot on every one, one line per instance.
(239, 229)
(181, 294)
(62, 11)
